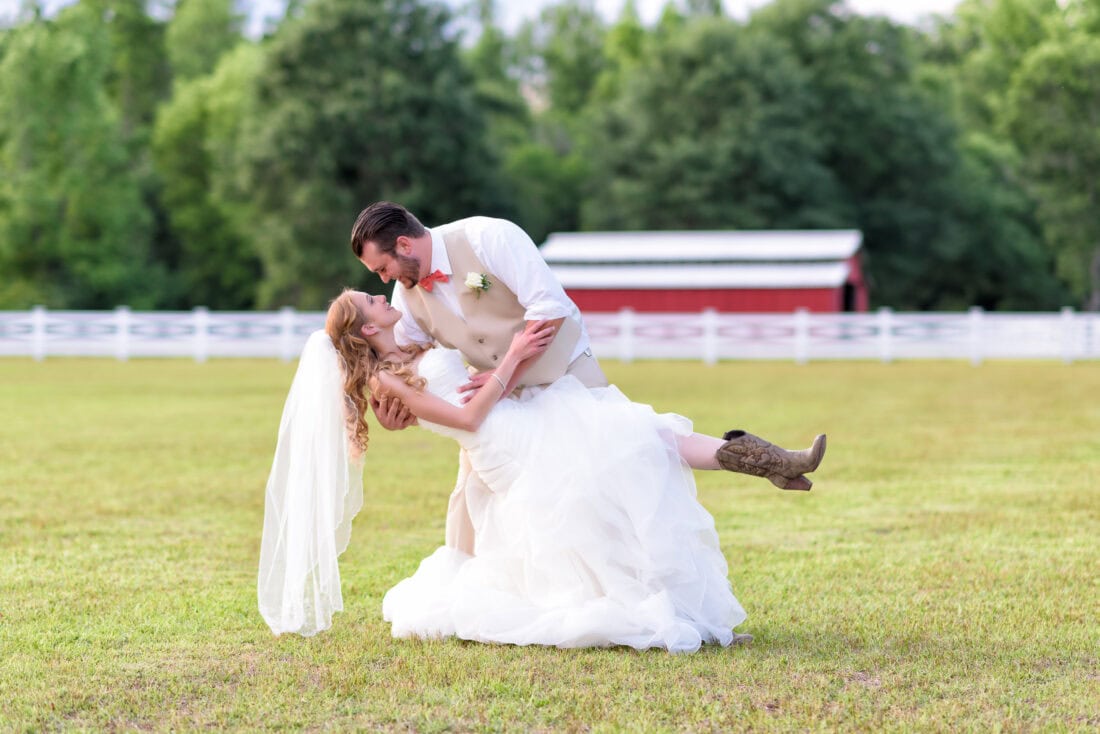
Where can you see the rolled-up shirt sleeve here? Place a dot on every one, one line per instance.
(511, 255)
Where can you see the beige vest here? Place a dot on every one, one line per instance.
(489, 319)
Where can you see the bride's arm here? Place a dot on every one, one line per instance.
(468, 417)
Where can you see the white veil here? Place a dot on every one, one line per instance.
(313, 492)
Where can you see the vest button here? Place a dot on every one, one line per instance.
(494, 358)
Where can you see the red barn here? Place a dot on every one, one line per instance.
(746, 271)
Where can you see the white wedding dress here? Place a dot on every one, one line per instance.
(590, 535)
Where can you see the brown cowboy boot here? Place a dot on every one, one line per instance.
(748, 454)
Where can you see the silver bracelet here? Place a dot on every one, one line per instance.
(502, 385)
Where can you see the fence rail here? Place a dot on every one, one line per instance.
(709, 336)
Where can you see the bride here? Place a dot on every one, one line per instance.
(590, 534)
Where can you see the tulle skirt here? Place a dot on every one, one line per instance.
(589, 534)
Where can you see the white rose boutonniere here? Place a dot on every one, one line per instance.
(478, 282)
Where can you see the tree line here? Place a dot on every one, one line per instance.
(168, 162)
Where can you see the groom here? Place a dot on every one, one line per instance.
(471, 285)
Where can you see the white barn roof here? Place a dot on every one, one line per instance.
(781, 246)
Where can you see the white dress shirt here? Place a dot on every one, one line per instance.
(510, 257)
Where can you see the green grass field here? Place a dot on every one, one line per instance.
(944, 574)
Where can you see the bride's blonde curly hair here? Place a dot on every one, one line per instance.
(359, 362)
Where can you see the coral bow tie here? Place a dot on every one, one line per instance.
(428, 282)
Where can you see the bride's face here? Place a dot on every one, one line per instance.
(376, 310)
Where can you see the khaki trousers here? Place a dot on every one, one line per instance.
(470, 493)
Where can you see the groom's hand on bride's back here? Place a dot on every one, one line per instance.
(392, 413)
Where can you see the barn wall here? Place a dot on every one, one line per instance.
(760, 300)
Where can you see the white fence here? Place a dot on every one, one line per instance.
(710, 336)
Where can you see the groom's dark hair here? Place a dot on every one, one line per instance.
(382, 223)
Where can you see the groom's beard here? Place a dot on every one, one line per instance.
(409, 270)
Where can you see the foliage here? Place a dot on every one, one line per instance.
(987, 40)
(1007, 65)
(564, 52)
(196, 150)
(358, 100)
(936, 576)
(73, 222)
(931, 203)
(624, 47)
(167, 162)
(1053, 112)
(491, 61)
(560, 62)
(139, 78)
(744, 158)
(989, 250)
(547, 182)
(199, 34)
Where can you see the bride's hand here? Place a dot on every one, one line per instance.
(477, 381)
(532, 341)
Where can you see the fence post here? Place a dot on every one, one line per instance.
(1067, 334)
(976, 335)
(286, 333)
(801, 336)
(1088, 339)
(626, 335)
(202, 326)
(38, 333)
(886, 334)
(710, 336)
(122, 333)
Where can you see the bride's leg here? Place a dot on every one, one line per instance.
(699, 451)
(748, 454)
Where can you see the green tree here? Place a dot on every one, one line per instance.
(74, 229)
(358, 100)
(139, 81)
(139, 78)
(982, 45)
(624, 48)
(711, 132)
(711, 8)
(1053, 112)
(543, 175)
(548, 184)
(1084, 14)
(199, 34)
(979, 58)
(989, 249)
(907, 171)
(491, 61)
(564, 51)
(195, 146)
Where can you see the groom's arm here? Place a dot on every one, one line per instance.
(392, 414)
(512, 257)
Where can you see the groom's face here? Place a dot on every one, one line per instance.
(400, 265)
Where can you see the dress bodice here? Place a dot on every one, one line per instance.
(445, 371)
